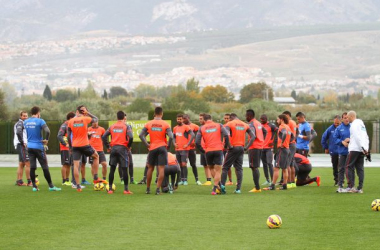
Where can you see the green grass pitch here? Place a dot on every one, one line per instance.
(313, 217)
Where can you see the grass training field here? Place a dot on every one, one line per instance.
(313, 217)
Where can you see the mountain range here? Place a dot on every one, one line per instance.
(24, 20)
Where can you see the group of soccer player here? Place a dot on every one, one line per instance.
(221, 146)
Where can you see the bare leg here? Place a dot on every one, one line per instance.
(104, 169)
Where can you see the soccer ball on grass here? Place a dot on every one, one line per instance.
(98, 186)
(375, 206)
(274, 221)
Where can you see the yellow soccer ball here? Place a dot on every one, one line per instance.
(375, 206)
(108, 187)
(99, 187)
(37, 181)
(274, 221)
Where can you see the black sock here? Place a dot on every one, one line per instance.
(208, 179)
(95, 176)
(104, 178)
(78, 186)
(63, 180)
(284, 186)
(83, 179)
(29, 181)
(67, 179)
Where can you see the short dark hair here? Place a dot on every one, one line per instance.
(35, 110)
(186, 116)
(344, 113)
(264, 115)
(300, 114)
(287, 113)
(23, 112)
(233, 116)
(337, 117)
(158, 111)
(207, 117)
(202, 114)
(70, 115)
(227, 114)
(251, 112)
(121, 115)
(284, 118)
(79, 107)
(180, 115)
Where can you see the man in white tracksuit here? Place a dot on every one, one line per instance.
(358, 147)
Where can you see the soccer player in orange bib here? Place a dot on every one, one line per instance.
(292, 150)
(235, 154)
(95, 133)
(121, 140)
(158, 156)
(213, 134)
(184, 136)
(285, 135)
(255, 150)
(65, 151)
(80, 144)
(192, 152)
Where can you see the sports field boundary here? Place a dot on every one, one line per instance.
(317, 160)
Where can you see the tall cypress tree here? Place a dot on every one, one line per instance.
(47, 93)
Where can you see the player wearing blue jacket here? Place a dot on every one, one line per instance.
(330, 147)
(341, 139)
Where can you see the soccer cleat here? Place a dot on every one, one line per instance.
(20, 183)
(122, 182)
(318, 181)
(158, 193)
(199, 183)
(105, 182)
(352, 190)
(271, 187)
(237, 191)
(35, 189)
(143, 181)
(133, 182)
(110, 192)
(185, 183)
(79, 190)
(341, 190)
(223, 189)
(230, 183)
(180, 183)
(75, 186)
(254, 190)
(266, 183)
(84, 182)
(127, 192)
(213, 193)
(147, 191)
(54, 189)
(170, 188)
(207, 183)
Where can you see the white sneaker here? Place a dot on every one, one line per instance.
(359, 191)
(266, 183)
(341, 190)
(348, 190)
(199, 183)
(75, 186)
(353, 190)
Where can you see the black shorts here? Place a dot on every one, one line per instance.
(83, 159)
(254, 157)
(214, 158)
(292, 151)
(65, 157)
(22, 153)
(158, 157)
(303, 152)
(282, 158)
(79, 151)
(102, 158)
(203, 160)
(37, 154)
(303, 171)
(119, 155)
(182, 156)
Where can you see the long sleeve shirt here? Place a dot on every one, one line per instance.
(358, 137)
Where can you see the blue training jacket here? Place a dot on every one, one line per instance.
(341, 133)
(328, 140)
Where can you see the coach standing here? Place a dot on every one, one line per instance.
(330, 147)
(358, 147)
